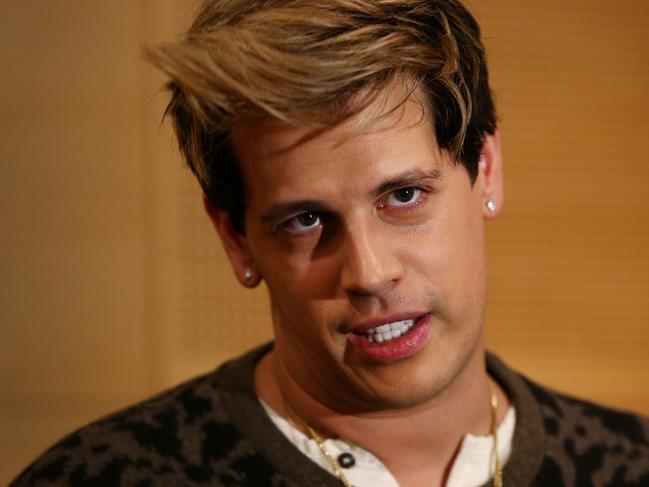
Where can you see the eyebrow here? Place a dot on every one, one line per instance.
(413, 177)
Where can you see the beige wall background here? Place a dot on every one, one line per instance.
(113, 285)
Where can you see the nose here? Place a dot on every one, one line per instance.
(370, 262)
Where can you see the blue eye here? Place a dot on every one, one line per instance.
(403, 197)
(302, 223)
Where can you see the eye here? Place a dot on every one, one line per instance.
(302, 223)
(403, 197)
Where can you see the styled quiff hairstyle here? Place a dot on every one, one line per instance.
(316, 63)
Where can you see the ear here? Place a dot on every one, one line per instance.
(490, 169)
(234, 245)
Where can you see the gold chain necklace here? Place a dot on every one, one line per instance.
(498, 473)
(334, 464)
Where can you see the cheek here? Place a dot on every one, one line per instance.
(469, 276)
(303, 295)
(449, 255)
(298, 279)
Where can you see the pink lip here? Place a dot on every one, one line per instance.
(395, 349)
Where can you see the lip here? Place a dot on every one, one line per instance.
(361, 328)
(393, 350)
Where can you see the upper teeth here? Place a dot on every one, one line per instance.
(380, 334)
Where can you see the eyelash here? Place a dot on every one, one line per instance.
(283, 227)
(421, 199)
(408, 206)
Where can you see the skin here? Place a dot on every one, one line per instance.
(394, 226)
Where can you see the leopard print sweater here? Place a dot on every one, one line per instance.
(211, 431)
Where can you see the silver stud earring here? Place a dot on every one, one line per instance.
(247, 275)
(491, 206)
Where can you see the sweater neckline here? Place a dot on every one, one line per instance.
(236, 381)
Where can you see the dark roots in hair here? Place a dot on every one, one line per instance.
(318, 63)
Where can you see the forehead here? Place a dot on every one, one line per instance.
(388, 137)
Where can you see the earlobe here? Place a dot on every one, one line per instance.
(234, 245)
(491, 172)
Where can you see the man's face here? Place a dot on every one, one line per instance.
(360, 227)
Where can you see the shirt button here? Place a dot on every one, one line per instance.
(346, 460)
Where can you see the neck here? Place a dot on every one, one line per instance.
(416, 443)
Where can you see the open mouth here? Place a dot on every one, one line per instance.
(387, 343)
(388, 331)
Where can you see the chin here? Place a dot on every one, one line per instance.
(421, 379)
(399, 389)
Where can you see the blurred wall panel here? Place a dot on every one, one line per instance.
(569, 256)
(72, 301)
(114, 284)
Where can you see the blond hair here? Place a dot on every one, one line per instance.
(317, 62)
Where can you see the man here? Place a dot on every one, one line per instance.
(349, 156)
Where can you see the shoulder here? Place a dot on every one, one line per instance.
(590, 444)
(174, 438)
(563, 441)
(561, 410)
